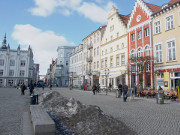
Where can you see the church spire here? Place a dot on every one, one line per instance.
(4, 42)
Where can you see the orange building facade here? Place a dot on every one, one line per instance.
(140, 46)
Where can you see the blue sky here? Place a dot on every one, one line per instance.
(47, 24)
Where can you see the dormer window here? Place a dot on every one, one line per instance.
(164, 6)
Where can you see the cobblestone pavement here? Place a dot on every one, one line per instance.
(142, 115)
(12, 106)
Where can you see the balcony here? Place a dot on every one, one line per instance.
(90, 46)
(89, 59)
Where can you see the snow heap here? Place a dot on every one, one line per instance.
(81, 119)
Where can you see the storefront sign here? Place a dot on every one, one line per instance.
(169, 70)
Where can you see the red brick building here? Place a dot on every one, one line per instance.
(140, 46)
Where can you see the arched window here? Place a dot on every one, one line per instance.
(147, 50)
(140, 52)
(133, 53)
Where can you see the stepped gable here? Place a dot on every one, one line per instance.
(125, 18)
(153, 7)
(173, 1)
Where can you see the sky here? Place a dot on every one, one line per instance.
(47, 24)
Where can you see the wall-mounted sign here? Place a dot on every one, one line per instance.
(165, 83)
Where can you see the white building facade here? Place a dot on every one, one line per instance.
(114, 50)
(91, 62)
(62, 67)
(76, 63)
(16, 66)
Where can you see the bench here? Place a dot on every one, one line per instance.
(41, 121)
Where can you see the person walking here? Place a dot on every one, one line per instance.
(134, 89)
(50, 87)
(94, 88)
(120, 89)
(23, 87)
(43, 86)
(31, 88)
(124, 90)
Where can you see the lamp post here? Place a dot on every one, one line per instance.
(106, 72)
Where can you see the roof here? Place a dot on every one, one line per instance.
(173, 1)
(125, 18)
(153, 7)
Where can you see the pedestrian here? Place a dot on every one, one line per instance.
(94, 88)
(43, 86)
(124, 90)
(110, 86)
(98, 87)
(23, 87)
(31, 88)
(120, 89)
(50, 87)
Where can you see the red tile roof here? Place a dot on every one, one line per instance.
(173, 1)
(153, 7)
(125, 18)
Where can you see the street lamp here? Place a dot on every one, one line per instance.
(106, 72)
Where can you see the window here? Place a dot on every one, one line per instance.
(147, 51)
(12, 62)
(10, 82)
(1, 72)
(102, 53)
(146, 32)
(117, 47)
(133, 53)
(97, 50)
(94, 65)
(117, 61)
(66, 63)
(118, 34)
(105, 63)
(111, 28)
(169, 22)
(140, 52)
(1, 62)
(133, 69)
(123, 60)
(111, 62)
(147, 67)
(132, 37)
(122, 45)
(139, 34)
(102, 64)
(23, 63)
(158, 49)
(139, 68)
(98, 37)
(157, 27)
(106, 51)
(97, 64)
(22, 73)
(111, 49)
(11, 73)
(171, 51)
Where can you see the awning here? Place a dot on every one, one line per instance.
(115, 75)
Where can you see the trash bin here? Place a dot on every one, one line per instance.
(34, 99)
(160, 98)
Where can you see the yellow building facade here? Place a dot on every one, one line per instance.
(166, 41)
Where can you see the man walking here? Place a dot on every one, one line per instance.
(31, 88)
(23, 87)
(94, 88)
(120, 89)
(124, 90)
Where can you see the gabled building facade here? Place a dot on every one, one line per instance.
(114, 50)
(16, 66)
(166, 40)
(140, 46)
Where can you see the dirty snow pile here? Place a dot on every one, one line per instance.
(75, 118)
